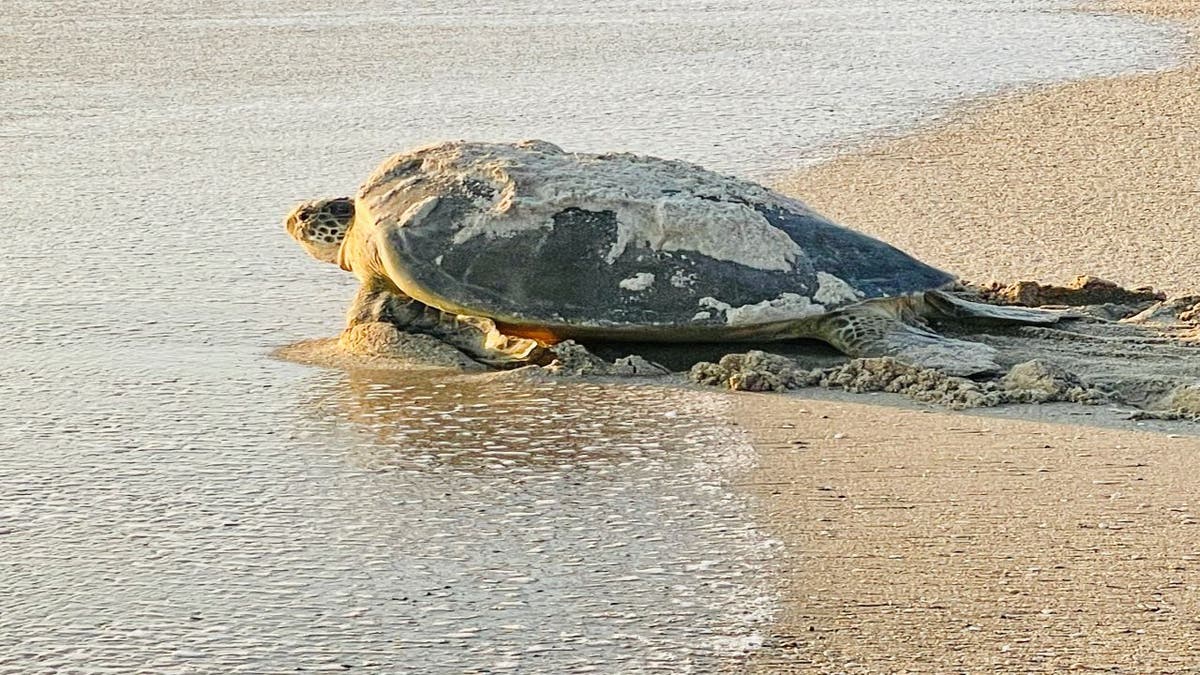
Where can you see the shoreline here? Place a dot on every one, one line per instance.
(934, 541)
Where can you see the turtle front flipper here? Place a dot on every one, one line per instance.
(878, 328)
(475, 336)
(478, 337)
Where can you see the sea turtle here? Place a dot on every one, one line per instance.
(500, 249)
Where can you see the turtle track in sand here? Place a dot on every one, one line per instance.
(1120, 346)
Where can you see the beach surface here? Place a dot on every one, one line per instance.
(927, 541)
(939, 542)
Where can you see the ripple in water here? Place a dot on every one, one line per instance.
(403, 524)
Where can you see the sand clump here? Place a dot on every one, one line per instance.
(572, 359)
(1042, 382)
(1029, 382)
(1180, 403)
(752, 371)
(1184, 401)
(920, 384)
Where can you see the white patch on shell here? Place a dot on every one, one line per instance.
(786, 306)
(659, 204)
(700, 316)
(832, 290)
(681, 279)
(715, 304)
(438, 261)
(638, 282)
(717, 229)
(413, 214)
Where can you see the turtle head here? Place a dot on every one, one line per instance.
(320, 225)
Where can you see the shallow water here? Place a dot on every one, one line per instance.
(387, 523)
(172, 498)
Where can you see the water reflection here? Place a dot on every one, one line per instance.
(418, 422)
(602, 506)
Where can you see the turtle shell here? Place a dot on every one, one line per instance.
(616, 245)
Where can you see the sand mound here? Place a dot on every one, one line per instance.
(1080, 291)
(380, 346)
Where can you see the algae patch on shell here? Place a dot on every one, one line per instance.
(661, 205)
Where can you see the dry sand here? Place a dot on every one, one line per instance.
(932, 541)
(1096, 177)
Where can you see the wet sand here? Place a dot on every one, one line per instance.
(940, 542)
(932, 541)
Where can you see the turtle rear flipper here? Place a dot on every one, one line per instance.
(876, 329)
(943, 305)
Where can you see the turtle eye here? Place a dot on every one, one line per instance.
(340, 208)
